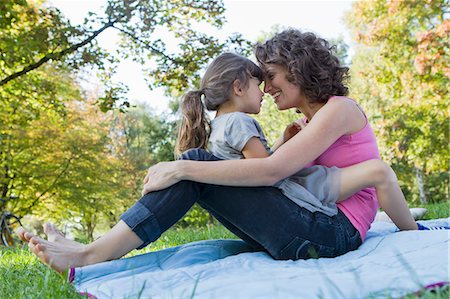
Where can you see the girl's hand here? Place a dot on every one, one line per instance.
(292, 129)
(160, 176)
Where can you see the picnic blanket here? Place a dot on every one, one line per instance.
(388, 264)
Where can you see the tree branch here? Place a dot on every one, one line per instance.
(35, 201)
(56, 55)
(153, 49)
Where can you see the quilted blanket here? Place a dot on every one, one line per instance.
(388, 264)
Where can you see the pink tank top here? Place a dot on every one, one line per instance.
(348, 150)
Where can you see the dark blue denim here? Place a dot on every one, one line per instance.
(261, 216)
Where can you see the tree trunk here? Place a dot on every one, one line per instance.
(421, 186)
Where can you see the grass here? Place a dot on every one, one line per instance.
(23, 276)
(177, 236)
(438, 210)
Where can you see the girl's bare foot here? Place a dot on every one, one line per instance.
(56, 236)
(58, 256)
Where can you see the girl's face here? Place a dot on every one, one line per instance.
(252, 98)
(285, 94)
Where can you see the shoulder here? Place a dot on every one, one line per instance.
(240, 116)
(340, 103)
(341, 113)
(241, 122)
(342, 108)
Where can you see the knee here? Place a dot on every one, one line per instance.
(197, 154)
(381, 172)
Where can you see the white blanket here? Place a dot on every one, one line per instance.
(389, 263)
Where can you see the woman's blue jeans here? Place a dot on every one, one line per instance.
(261, 216)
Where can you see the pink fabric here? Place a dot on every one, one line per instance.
(348, 150)
(71, 276)
(87, 295)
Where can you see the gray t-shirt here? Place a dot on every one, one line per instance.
(315, 188)
(230, 133)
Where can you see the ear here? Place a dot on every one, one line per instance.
(237, 88)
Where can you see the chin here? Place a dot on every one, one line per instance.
(281, 107)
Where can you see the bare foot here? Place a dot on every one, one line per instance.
(58, 256)
(24, 235)
(56, 236)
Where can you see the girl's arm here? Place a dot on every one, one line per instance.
(254, 149)
(334, 119)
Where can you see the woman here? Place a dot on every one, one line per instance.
(300, 72)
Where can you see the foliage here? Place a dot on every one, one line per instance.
(273, 121)
(63, 158)
(56, 153)
(196, 217)
(33, 35)
(400, 74)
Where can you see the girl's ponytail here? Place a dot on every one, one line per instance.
(194, 128)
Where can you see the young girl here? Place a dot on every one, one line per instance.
(230, 87)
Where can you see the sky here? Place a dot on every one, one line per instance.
(249, 17)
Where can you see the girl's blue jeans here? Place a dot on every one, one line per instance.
(261, 216)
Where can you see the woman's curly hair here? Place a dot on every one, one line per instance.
(310, 63)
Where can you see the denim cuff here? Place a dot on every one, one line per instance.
(142, 222)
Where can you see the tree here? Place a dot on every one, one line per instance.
(55, 150)
(33, 34)
(400, 72)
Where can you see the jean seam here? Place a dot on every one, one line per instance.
(145, 225)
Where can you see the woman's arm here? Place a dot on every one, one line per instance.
(334, 119)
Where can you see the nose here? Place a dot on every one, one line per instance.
(267, 86)
(262, 93)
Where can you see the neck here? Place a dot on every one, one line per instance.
(225, 108)
(310, 109)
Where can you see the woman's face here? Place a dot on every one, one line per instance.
(285, 94)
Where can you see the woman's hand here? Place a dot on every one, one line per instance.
(160, 176)
(292, 129)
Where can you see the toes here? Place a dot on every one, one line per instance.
(28, 236)
(23, 234)
(52, 231)
(40, 248)
(36, 240)
(32, 248)
(43, 257)
(48, 227)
